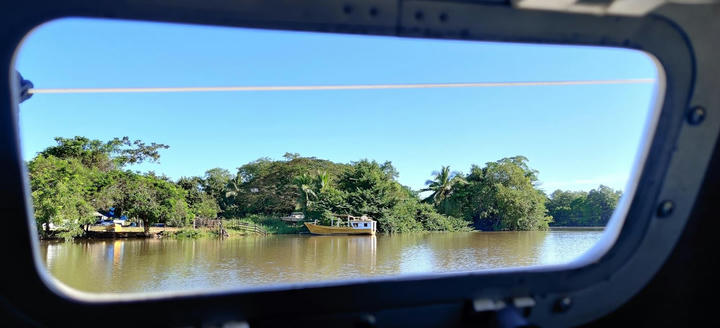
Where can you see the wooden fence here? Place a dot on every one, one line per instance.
(244, 226)
(231, 224)
(207, 223)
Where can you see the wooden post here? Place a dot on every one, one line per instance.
(222, 231)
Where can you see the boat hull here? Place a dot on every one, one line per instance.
(326, 230)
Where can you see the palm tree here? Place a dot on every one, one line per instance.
(322, 180)
(233, 187)
(442, 186)
(304, 183)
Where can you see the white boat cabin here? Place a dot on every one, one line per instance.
(362, 224)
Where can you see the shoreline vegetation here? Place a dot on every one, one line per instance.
(79, 178)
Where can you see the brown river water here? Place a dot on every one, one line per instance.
(141, 265)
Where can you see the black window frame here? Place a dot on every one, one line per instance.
(679, 37)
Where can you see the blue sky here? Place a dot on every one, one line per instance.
(576, 136)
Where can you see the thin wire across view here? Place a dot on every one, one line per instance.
(340, 87)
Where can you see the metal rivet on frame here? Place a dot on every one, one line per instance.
(696, 115)
(665, 208)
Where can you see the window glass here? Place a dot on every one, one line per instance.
(172, 157)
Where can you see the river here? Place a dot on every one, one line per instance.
(118, 266)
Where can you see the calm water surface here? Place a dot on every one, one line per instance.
(158, 265)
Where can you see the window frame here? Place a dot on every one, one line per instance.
(671, 165)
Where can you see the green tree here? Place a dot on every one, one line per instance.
(304, 184)
(599, 205)
(565, 207)
(151, 199)
(105, 156)
(442, 186)
(371, 188)
(59, 188)
(215, 183)
(193, 189)
(206, 208)
(580, 208)
(268, 187)
(501, 196)
(327, 199)
(200, 203)
(291, 156)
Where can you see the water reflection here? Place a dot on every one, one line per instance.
(153, 264)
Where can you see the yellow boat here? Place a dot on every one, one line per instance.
(353, 226)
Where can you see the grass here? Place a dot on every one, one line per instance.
(190, 233)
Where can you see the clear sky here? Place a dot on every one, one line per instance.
(576, 136)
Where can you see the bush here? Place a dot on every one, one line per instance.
(410, 216)
(434, 221)
(400, 218)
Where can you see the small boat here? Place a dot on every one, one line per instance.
(352, 226)
(294, 217)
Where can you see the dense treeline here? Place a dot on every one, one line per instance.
(78, 176)
(321, 188)
(580, 208)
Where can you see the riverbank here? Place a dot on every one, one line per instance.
(236, 227)
(99, 232)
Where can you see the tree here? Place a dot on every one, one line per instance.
(371, 188)
(105, 156)
(579, 208)
(215, 183)
(291, 156)
(321, 181)
(193, 188)
(268, 187)
(206, 208)
(442, 185)
(501, 196)
(59, 188)
(599, 205)
(311, 187)
(565, 207)
(326, 201)
(114, 190)
(200, 204)
(304, 184)
(151, 199)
